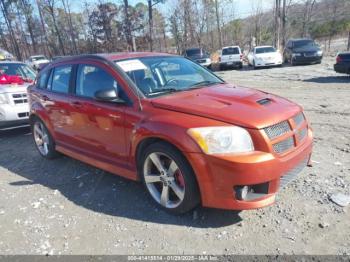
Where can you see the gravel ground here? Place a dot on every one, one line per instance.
(67, 207)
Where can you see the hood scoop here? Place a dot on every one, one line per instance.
(264, 101)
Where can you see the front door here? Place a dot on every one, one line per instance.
(98, 126)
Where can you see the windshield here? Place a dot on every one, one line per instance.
(36, 58)
(160, 75)
(230, 51)
(21, 70)
(194, 52)
(303, 43)
(263, 50)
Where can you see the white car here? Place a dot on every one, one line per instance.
(15, 77)
(231, 56)
(36, 60)
(261, 56)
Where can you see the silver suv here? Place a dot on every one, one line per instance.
(15, 77)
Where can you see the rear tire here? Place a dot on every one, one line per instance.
(169, 178)
(43, 139)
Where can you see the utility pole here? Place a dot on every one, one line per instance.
(277, 23)
(284, 19)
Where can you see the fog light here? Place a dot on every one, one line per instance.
(241, 192)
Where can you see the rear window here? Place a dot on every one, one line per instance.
(231, 51)
(265, 50)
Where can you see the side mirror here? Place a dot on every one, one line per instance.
(108, 95)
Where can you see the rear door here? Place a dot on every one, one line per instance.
(230, 55)
(56, 102)
(98, 126)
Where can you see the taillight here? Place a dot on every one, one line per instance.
(219, 58)
(241, 56)
(6, 79)
(338, 59)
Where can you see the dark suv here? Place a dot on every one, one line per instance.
(302, 51)
(198, 55)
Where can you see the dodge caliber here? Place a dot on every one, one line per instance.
(187, 135)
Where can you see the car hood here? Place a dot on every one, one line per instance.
(195, 57)
(235, 105)
(306, 49)
(265, 55)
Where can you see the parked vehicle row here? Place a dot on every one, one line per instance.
(297, 51)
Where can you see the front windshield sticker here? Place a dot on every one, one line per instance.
(131, 65)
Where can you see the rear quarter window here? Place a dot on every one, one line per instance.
(42, 80)
(61, 78)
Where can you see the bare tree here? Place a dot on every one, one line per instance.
(218, 22)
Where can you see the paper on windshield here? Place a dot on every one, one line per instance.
(131, 65)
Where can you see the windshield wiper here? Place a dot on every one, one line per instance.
(165, 90)
(200, 84)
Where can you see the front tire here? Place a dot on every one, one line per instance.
(43, 139)
(169, 178)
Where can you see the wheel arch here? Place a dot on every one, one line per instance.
(144, 143)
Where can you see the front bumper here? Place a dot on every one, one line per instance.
(231, 63)
(204, 62)
(342, 68)
(13, 115)
(263, 63)
(306, 60)
(218, 175)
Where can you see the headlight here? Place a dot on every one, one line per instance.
(319, 53)
(208, 60)
(3, 99)
(222, 139)
(296, 54)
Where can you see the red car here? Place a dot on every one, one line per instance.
(189, 136)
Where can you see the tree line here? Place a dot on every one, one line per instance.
(65, 27)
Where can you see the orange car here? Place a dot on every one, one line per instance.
(189, 136)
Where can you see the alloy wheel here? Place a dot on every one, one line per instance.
(41, 138)
(164, 180)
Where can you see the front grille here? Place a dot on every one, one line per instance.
(293, 173)
(310, 54)
(19, 98)
(277, 130)
(284, 145)
(299, 119)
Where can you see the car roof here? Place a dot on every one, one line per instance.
(127, 55)
(263, 46)
(11, 62)
(109, 57)
(37, 56)
(301, 39)
(231, 46)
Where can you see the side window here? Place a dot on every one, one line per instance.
(60, 79)
(42, 81)
(91, 79)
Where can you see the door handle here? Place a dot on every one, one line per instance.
(45, 98)
(77, 104)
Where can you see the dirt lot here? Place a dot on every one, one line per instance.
(67, 207)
